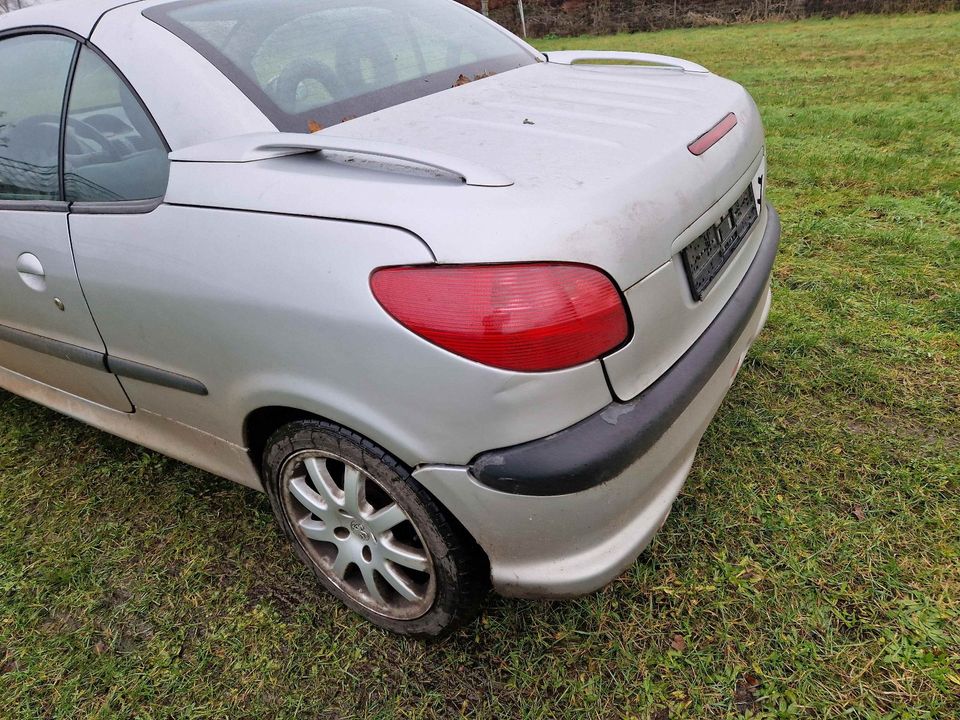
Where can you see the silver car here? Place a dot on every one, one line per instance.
(462, 309)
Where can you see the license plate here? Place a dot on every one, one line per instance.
(705, 257)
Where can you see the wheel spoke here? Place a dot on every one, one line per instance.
(354, 531)
(312, 501)
(404, 555)
(342, 562)
(370, 580)
(399, 583)
(354, 490)
(317, 469)
(317, 530)
(386, 518)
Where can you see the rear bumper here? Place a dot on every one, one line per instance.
(566, 514)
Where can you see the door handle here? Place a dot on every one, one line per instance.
(31, 272)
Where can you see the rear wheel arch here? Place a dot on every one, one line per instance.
(262, 423)
(314, 507)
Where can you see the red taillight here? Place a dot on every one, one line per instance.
(530, 317)
(712, 136)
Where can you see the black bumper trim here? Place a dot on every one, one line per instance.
(605, 444)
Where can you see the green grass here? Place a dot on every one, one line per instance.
(811, 567)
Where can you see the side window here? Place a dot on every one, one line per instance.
(32, 85)
(112, 150)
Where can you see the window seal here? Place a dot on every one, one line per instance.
(115, 207)
(35, 205)
(39, 30)
(65, 108)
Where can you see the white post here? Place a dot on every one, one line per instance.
(485, 7)
(523, 20)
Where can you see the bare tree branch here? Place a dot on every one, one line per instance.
(11, 5)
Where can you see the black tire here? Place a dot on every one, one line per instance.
(459, 580)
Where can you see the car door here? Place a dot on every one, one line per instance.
(47, 332)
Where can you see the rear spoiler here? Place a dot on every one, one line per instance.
(655, 62)
(264, 146)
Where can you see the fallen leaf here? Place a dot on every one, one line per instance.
(462, 80)
(100, 648)
(678, 643)
(8, 664)
(858, 512)
(745, 695)
(314, 127)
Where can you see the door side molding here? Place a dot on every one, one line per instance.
(54, 348)
(101, 361)
(155, 376)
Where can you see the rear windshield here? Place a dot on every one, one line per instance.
(310, 64)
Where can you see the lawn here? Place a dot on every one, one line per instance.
(811, 567)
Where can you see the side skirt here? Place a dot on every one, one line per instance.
(169, 437)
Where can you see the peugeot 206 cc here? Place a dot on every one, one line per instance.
(462, 309)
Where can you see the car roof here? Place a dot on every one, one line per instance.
(77, 16)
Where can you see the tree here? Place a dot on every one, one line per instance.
(11, 5)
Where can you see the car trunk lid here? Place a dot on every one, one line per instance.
(598, 156)
(603, 170)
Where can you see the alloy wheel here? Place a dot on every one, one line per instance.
(357, 535)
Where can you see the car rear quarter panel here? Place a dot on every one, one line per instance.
(275, 310)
